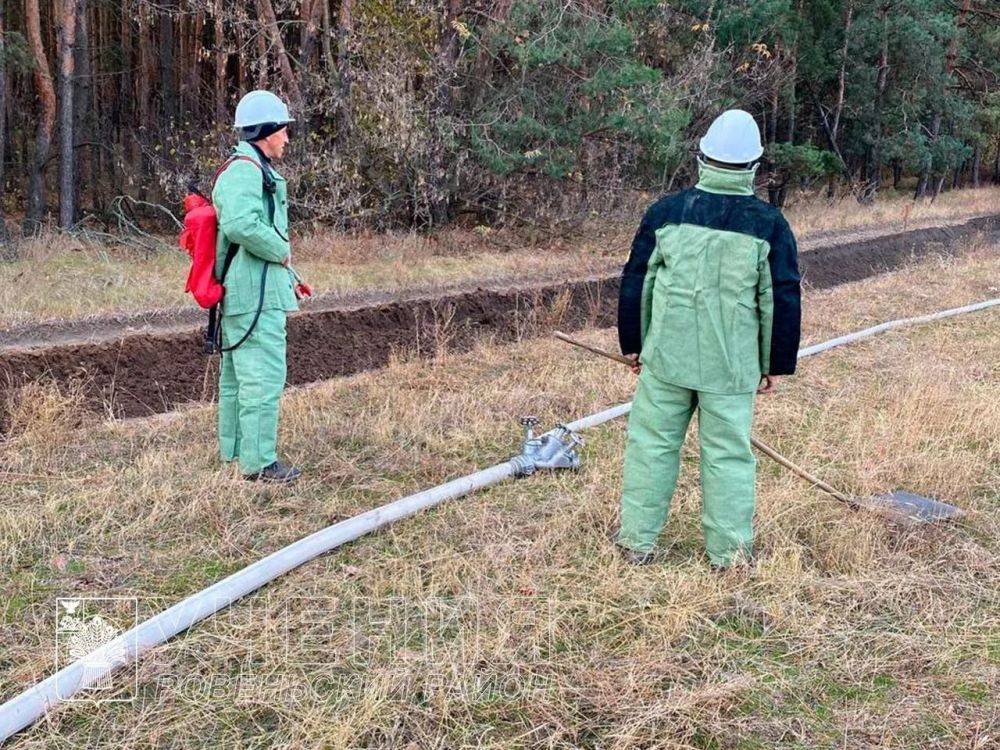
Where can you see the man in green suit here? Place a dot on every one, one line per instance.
(710, 312)
(252, 260)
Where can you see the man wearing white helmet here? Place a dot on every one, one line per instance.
(252, 259)
(709, 310)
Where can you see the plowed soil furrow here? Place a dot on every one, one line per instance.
(143, 373)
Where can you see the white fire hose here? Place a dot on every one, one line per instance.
(22, 710)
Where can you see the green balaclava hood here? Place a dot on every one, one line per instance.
(724, 181)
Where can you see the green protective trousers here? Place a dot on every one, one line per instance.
(251, 380)
(656, 429)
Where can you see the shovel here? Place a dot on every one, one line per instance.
(899, 506)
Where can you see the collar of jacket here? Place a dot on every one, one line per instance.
(245, 148)
(725, 181)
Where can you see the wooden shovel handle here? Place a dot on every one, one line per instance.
(762, 447)
(772, 453)
(575, 342)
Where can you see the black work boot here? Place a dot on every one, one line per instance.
(277, 472)
(637, 557)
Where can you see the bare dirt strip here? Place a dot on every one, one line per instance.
(133, 373)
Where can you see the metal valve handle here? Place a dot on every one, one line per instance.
(528, 422)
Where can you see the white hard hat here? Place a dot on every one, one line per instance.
(259, 108)
(733, 138)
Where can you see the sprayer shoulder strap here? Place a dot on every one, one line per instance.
(267, 180)
(268, 190)
(230, 160)
(230, 254)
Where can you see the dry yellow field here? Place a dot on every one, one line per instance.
(505, 619)
(64, 278)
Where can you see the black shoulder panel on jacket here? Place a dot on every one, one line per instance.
(744, 214)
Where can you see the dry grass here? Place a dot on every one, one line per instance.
(504, 619)
(61, 278)
(817, 216)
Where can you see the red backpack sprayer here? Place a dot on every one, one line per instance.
(199, 239)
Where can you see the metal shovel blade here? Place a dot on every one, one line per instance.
(905, 507)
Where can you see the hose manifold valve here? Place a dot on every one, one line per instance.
(556, 449)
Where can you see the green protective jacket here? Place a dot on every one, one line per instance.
(710, 296)
(244, 213)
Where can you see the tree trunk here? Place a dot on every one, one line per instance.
(771, 130)
(270, 23)
(794, 75)
(312, 18)
(925, 172)
(484, 69)
(440, 197)
(144, 45)
(771, 123)
(792, 104)
(873, 164)
(977, 163)
(937, 187)
(263, 66)
(242, 76)
(193, 87)
(181, 58)
(996, 163)
(82, 95)
(103, 122)
(220, 64)
(305, 13)
(46, 117)
(832, 124)
(67, 48)
(128, 92)
(344, 73)
(82, 102)
(167, 63)
(842, 75)
(147, 70)
(5, 248)
(331, 63)
(949, 66)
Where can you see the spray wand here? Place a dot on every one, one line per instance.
(302, 289)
